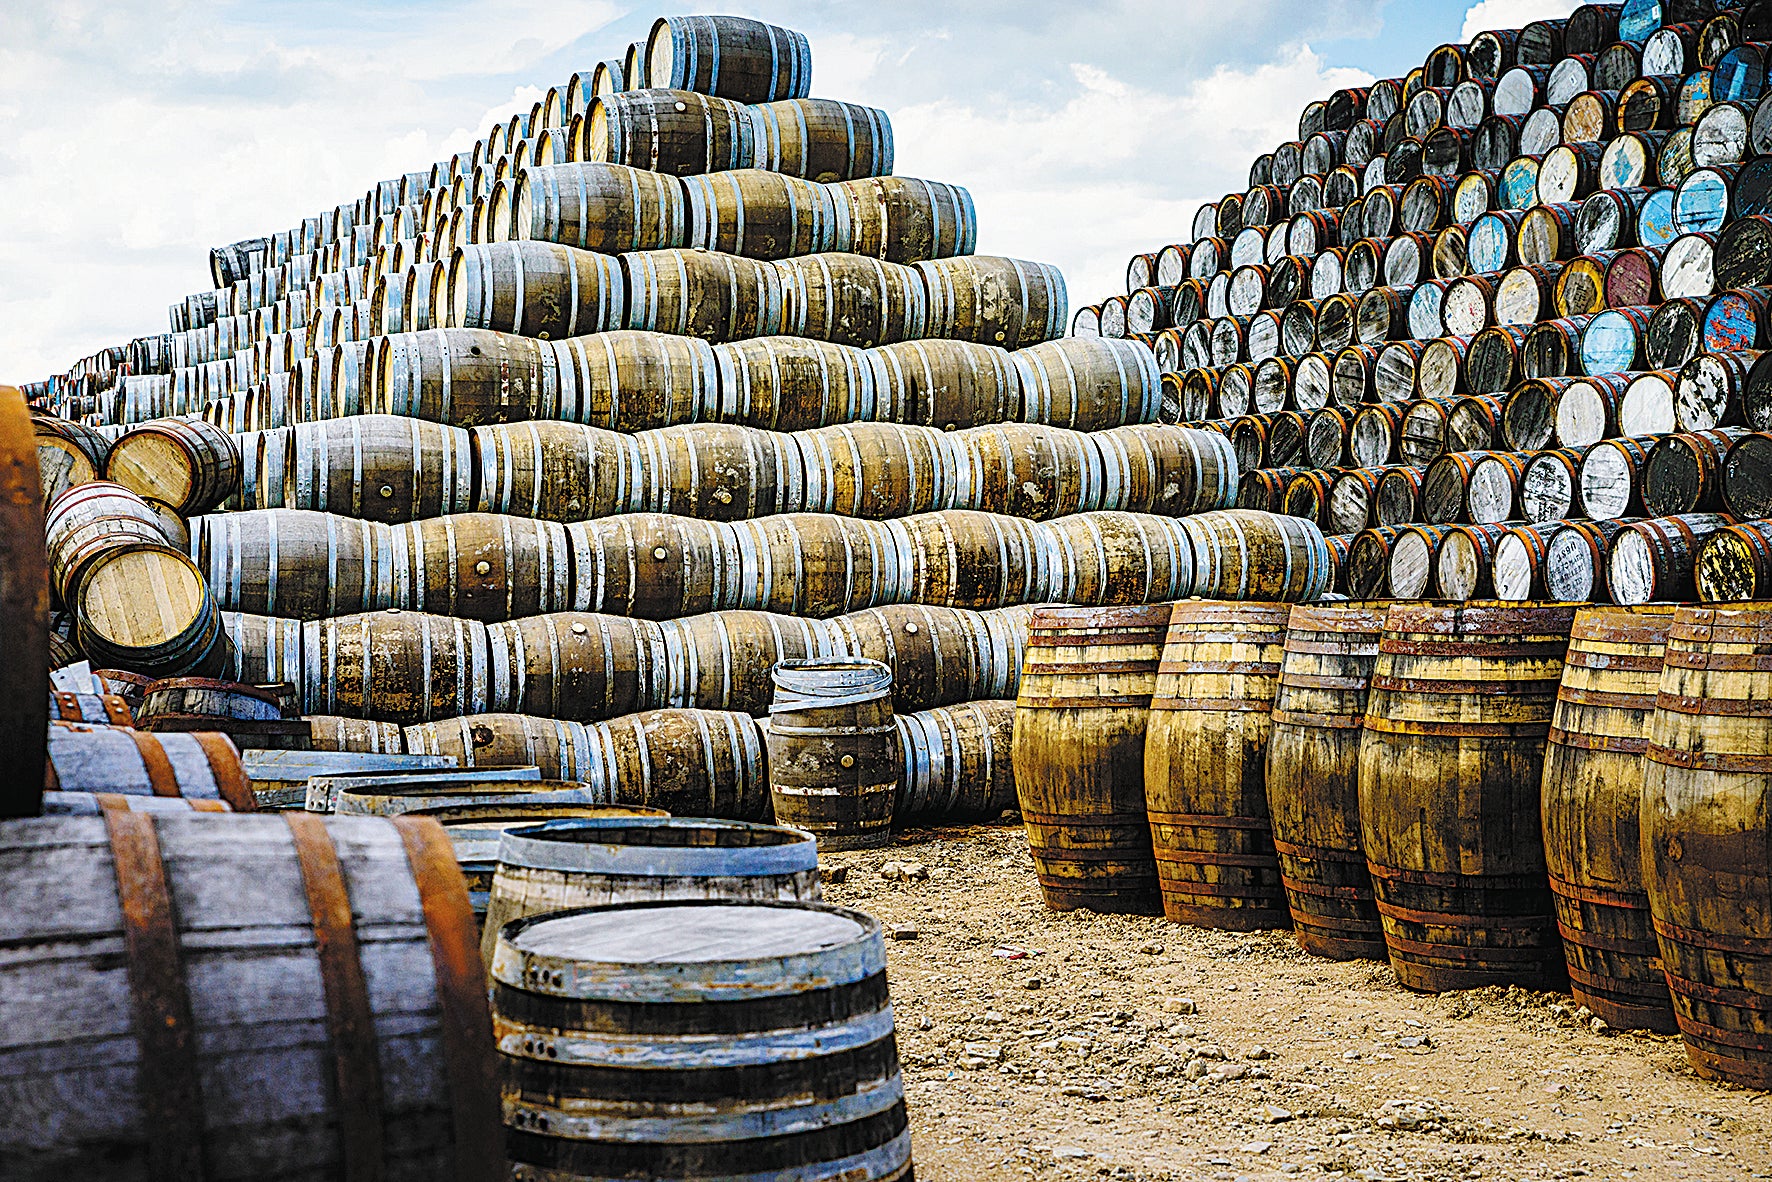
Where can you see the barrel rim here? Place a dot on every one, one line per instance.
(555, 845)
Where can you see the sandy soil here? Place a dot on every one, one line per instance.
(1051, 1046)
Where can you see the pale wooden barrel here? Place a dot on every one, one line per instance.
(946, 383)
(763, 215)
(557, 471)
(534, 289)
(484, 566)
(803, 991)
(654, 565)
(968, 558)
(633, 381)
(576, 665)
(834, 756)
(387, 468)
(86, 521)
(822, 139)
(1030, 470)
(68, 454)
(784, 383)
(396, 1080)
(1089, 383)
(295, 563)
(395, 666)
(187, 463)
(602, 207)
(95, 804)
(958, 763)
(1105, 558)
(201, 765)
(147, 607)
(733, 57)
(208, 697)
(851, 299)
(560, 865)
(938, 655)
(669, 131)
(995, 301)
(698, 293)
(694, 763)
(465, 376)
(878, 470)
(722, 660)
(816, 564)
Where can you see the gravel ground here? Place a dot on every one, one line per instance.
(1036, 1044)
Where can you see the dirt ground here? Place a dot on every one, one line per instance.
(1055, 1046)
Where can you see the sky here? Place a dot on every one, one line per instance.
(143, 132)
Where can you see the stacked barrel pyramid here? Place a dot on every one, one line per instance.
(546, 455)
(1500, 326)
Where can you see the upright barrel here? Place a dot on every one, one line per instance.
(1593, 788)
(1450, 767)
(1204, 765)
(720, 1038)
(1705, 854)
(834, 755)
(1313, 777)
(1078, 751)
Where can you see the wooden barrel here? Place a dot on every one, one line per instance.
(464, 377)
(697, 763)
(1450, 766)
(209, 698)
(904, 220)
(801, 990)
(397, 1080)
(485, 566)
(186, 463)
(1248, 554)
(953, 558)
(96, 804)
(1109, 558)
(1592, 789)
(87, 521)
(994, 301)
(698, 293)
(946, 383)
(722, 660)
(1159, 469)
(333, 733)
(670, 131)
(763, 215)
(581, 666)
(1079, 755)
(295, 563)
(1204, 770)
(938, 655)
(145, 606)
(1703, 847)
(68, 454)
(395, 666)
(1747, 476)
(1656, 560)
(958, 763)
(102, 709)
(632, 381)
(733, 57)
(821, 139)
(561, 471)
(567, 864)
(834, 755)
(386, 468)
(818, 564)
(266, 650)
(656, 565)
(534, 289)
(201, 765)
(1029, 470)
(1735, 564)
(714, 471)
(849, 299)
(603, 207)
(792, 384)
(1088, 384)
(1313, 779)
(1684, 473)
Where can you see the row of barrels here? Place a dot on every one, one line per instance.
(1487, 794)
(658, 566)
(1708, 557)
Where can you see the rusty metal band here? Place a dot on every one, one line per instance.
(1079, 638)
(1321, 722)
(1684, 658)
(1188, 638)
(1213, 858)
(1072, 820)
(1586, 697)
(1213, 705)
(1356, 685)
(350, 1022)
(1245, 668)
(1220, 890)
(1713, 707)
(1046, 703)
(1738, 1039)
(1719, 626)
(1620, 944)
(111, 800)
(1565, 738)
(170, 1083)
(1312, 853)
(1699, 761)
(1070, 668)
(162, 780)
(209, 806)
(1447, 919)
(1462, 730)
(1123, 884)
(67, 706)
(1339, 927)
(1712, 941)
(1449, 881)
(1352, 894)
(1329, 648)
(1580, 658)
(1465, 952)
(224, 764)
(1212, 821)
(1599, 896)
(1720, 995)
(1615, 626)
(117, 710)
(1496, 688)
(1058, 856)
(1501, 651)
(470, 1063)
(1655, 990)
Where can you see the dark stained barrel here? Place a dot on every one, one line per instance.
(1450, 767)
(464, 376)
(834, 754)
(1313, 777)
(670, 131)
(850, 299)
(905, 220)
(1205, 769)
(821, 139)
(387, 468)
(958, 763)
(1593, 786)
(1079, 744)
(582, 666)
(733, 57)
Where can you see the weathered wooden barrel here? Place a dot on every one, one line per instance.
(1107, 558)
(582, 666)
(1450, 766)
(834, 755)
(669, 131)
(387, 468)
(698, 293)
(1078, 753)
(485, 566)
(535, 289)
(763, 215)
(733, 57)
(562, 865)
(398, 793)
(716, 471)
(798, 992)
(202, 765)
(96, 804)
(1703, 846)
(1656, 560)
(559, 471)
(1248, 554)
(187, 463)
(818, 564)
(958, 763)
(89, 520)
(905, 220)
(691, 763)
(850, 299)
(603, 207)
(1592, 789)
(953, 558)
(207, 697)
(1735, 564)
(947, 383)
(68, 454)
(333, 733)
(103, 709)
(1163, 470)
(295, 563)
(558, 749)
(396, 1080)
(821, 139)
(633, 381)
(464, 376)
(1204, 766)
(1313, 777)
(395, 666)
(173, 631)
(722, 660)
(656, 565)
(994, 301)
(1029, 470)
(785, 383)
(1088, 384)
(1684, 473)
(266, 650)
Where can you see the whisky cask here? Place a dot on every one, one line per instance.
(763, 215)
(714, 471)
(818, 564)
(464, 377)
(958, 763)
(848, 299)
(147, 607)
(733, 57)
(296, 563)
(698, 293)
(820, 139)
(947, 383)
(1088, 384)
(939, 656)
(1248, 554)
(581, 666)
(386, 468)
(1107, 558)
(608, 208)
(904, 220)
(188, 464)
(954, 558)
(484, 566)
(722, 660)
(668, 131)
(653, 565)
(633, 381)
(834, 754)
(395, 666)
(994, 301)
(563, 471)
(694, 763)
(1735, 564)
(787, 383)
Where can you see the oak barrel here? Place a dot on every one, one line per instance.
(958, 763)
(834, 755)
(733, 57)
(189, 464)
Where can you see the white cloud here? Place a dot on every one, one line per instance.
(1512, 14)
